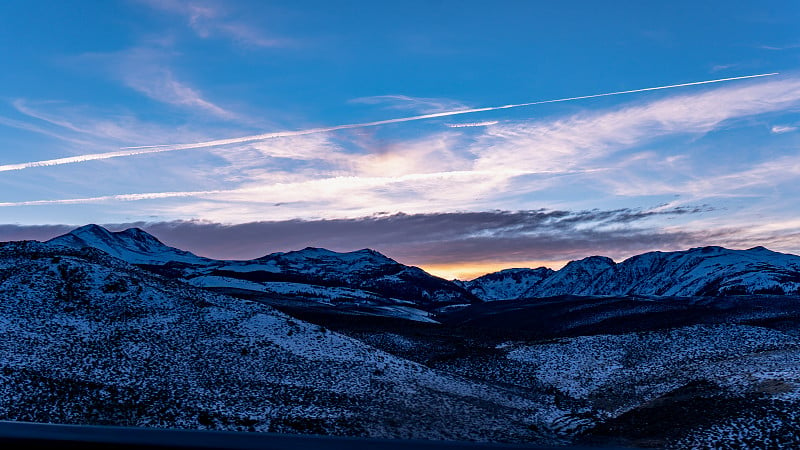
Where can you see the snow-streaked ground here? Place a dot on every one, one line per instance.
(91, 339)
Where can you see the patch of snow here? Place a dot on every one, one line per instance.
(405, 312)
(225, 282)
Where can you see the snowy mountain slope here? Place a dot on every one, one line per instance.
(709, 271)
(706, 271)
(365, 269)
(571, 278)
(703, 271)
(331, 275)
(132, 245)
(88, 339)
(506, 284)
(333, 300)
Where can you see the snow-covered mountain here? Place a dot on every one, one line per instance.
(368, 277)
(708, 271)
(575, 275)
(86, 338)
(365, 269)
(506, 284)
(313, 273)
(133, 245)
(702, 271)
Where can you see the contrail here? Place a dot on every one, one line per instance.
(76, 159)
(147, 149)
(106, 198)
(355, 182)
(473, 124)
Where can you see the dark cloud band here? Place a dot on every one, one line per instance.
(420, 239)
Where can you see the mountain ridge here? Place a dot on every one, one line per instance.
(133, 245)
(698, 271)
(361, 276)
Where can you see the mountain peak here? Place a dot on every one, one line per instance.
(135, 231)
(598, 259)
(708, 249)
(139, 235)
(91, 228)
(507, 283)
(369, 251)
(133, 245)
(590, 263)
(324, 253)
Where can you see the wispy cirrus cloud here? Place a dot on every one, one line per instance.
(22, 125)
(80, 127)
(779, 48)
(585, 137)
(149, 69)
(408, 103)
(97, 127)
(721, 67)
(780, 129)
(734, 183)
(434, 153)
(160, 83)
(214, 19)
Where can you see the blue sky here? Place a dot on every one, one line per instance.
(658, 170)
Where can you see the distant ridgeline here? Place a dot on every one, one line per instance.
(704, 271)
(370, 277)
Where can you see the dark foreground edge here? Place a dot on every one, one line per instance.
(28, 435)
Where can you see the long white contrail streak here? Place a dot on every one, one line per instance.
(147, 149)
(106, 198)
(281, 188)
